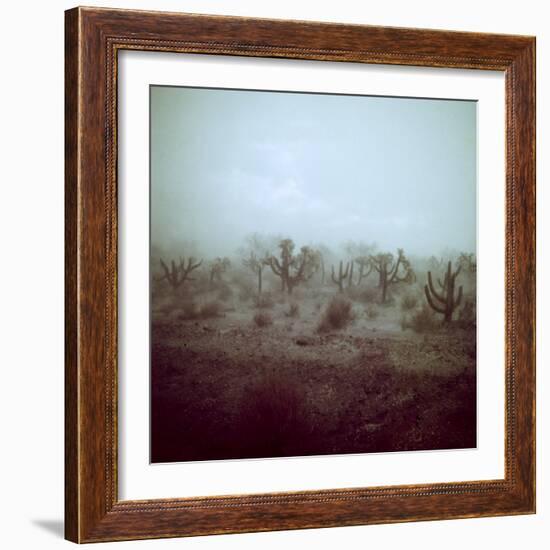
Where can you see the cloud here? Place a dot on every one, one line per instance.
(289, 197)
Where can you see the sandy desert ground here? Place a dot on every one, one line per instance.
(238, 377)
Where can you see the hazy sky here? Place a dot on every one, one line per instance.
(314, 167)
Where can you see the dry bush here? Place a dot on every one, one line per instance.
(422, 320)
(272, 418)
(371, 311)
(408, 302)
(189, 310)
(293, 310)
(264, 301)
(263, 319)
(337, 315)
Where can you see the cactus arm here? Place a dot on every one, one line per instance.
(375, 264)
(363, 263)
(333, 277)
(185, 271)
(275, 266)
(191, 266)
(166, 271)
(433, 291)
(346, 271)
(393, 272)
(298, 276)
(433, 305)
(163, 277)
(458, 298)
(405, 277)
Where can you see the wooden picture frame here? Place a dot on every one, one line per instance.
(93, 510)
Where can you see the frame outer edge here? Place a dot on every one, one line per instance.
(88, 513)
(72, 448)
(525, 112)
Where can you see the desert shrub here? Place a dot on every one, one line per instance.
(225, 292)
(293, 310)
(263, 319)
(189, 310)
(371, 311)
(264, 301)
(422, 320)
(210, 309)
(272, 417)
(337, 315)
(408, 302)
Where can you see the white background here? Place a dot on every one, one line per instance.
(31, 296)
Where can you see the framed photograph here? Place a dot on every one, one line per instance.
(300, 275)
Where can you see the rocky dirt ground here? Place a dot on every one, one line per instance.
(222, 387)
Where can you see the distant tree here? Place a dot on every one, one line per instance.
(177, 274)
(256, 265)
(391, 270)
(218, 267)
(255, 254)
(291, 268)
(358, 251)
(323, 254)
(467, 261)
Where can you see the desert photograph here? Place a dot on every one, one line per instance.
(312, 274)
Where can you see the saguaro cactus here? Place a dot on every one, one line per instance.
(389, 270)
(350, 278)
(293, 269)
(444, 302)
(176, 275)
(342, 276)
